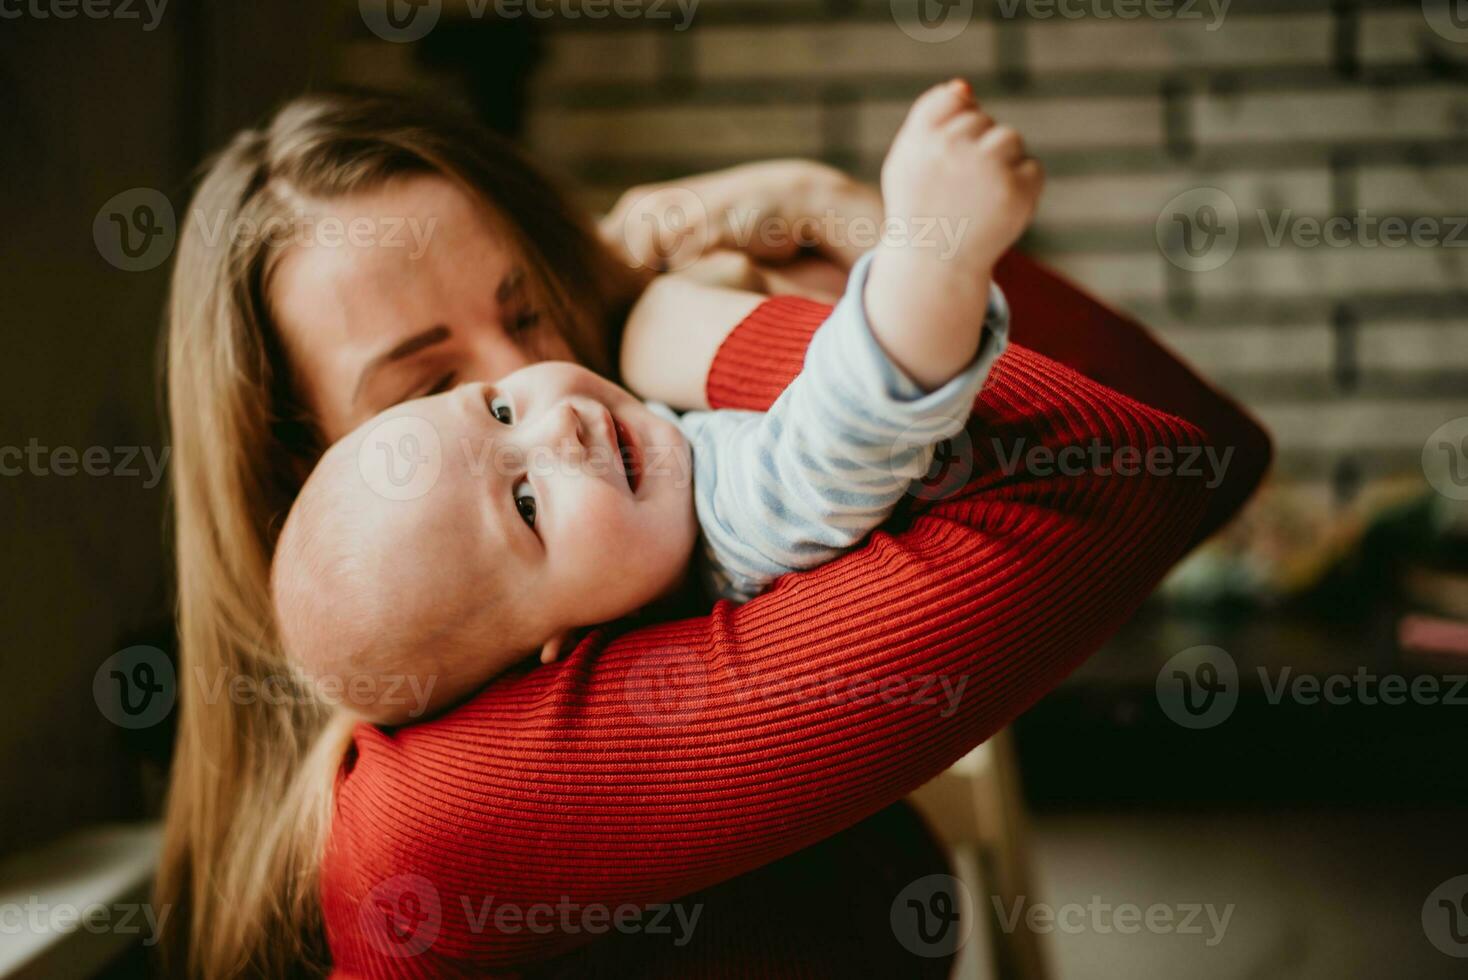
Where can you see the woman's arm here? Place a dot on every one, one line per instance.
(773, 211)
(654, 763)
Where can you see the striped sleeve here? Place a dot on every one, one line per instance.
(791, 488)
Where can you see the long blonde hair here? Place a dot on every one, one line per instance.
(250, 791)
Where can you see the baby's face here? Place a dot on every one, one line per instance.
(547, 501)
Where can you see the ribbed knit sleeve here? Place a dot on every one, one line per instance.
(650, 764)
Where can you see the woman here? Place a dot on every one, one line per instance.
(661, 764)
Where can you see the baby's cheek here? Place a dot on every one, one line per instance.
(604, 535)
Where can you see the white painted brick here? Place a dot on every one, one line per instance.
(1140, 199)
(1343, 426)
(1428, 111)
(1325, 271)
(1394, 37)
(1415, 347)
(804, 52)
(715, 133)
(1285, 271)
(615, 56)
(1246, 349)
(1159, 45)
(1047, 124)
(1438, 191)
(1116, 277)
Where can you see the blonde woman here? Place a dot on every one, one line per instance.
(739, 767)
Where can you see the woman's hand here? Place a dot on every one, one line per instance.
(774, 212)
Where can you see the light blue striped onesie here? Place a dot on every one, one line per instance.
(791, 488)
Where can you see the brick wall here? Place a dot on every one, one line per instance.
(1290, 109)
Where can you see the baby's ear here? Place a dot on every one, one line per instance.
(551, 651)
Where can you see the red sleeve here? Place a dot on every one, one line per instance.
(651, 764)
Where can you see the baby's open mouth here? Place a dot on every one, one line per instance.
(625, 446)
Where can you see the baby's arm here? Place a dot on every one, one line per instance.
(792, 488)
(959, 190)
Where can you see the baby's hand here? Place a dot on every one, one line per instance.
(951, 162)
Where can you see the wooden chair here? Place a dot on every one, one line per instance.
(977, 809)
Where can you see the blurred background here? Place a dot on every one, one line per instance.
(1279, 188)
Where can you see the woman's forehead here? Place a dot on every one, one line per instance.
(407, 268)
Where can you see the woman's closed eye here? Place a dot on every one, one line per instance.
(525, 502)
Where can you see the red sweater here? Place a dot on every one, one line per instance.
(744, 765)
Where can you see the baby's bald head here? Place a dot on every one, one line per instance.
(376, 599)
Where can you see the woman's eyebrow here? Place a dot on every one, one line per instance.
(427, 338)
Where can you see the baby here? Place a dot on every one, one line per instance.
(452, 536)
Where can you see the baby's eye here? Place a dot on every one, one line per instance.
(525, 502)
(499, 407)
